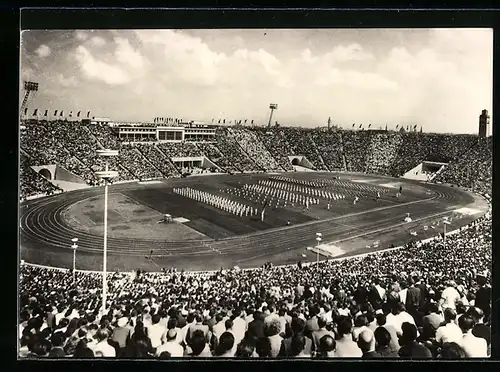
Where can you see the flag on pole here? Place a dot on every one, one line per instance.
(71, 114)
(55, 113)
(397, 126)
(78, 114)
(88, 114)
(62, 113)
(35, 112)
(369, 125)
(219, 121)
(245, 121)
(252, 122)
(360, 125)
(353, 124)
(46, 113)
(25, 111)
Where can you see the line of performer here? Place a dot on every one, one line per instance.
(217, 201)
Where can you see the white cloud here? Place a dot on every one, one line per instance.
(97, 41)
(82, 35)
(67, 81)
(444, 77)
(99, 70)
(125, 54)
(43, 51)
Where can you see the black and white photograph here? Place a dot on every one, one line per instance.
(313, 194)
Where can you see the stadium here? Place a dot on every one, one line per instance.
(177, 238)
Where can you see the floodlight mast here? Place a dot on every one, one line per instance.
(272, 106)
(106, 175)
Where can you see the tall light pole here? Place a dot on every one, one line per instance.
(74, 246)
(318, 239)
(105, 175)
(445, 222)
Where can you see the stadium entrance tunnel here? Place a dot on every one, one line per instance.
(295, 161)
(45, 173)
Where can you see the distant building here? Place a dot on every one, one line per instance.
(484, 120)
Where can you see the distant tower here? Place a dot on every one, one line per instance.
(272, 106)
(329, 123)
(484, 120)
(29, 87)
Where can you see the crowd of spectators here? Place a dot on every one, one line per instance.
(255, 149)
(233, 158)
(472, 170)
(382, 152)
(158, 159)
(429, 300)
(31, 182)
(137, 164)
(329, 145)
(73, 146)
(301, 142)
(275, 142)
(355, 145)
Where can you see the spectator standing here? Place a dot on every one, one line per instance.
(449, 331)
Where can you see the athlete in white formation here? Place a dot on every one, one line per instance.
(356, 198)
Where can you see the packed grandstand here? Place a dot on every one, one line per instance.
(424, 301)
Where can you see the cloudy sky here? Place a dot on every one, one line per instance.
(438, 78)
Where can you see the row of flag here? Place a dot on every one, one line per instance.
(167, 120)
(61, 113)
(408, 127)
(237, 122)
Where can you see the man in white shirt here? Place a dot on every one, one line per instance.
(171, 346)
(450, 296)
(103, 347)
(449, 332)
(474, 347)
(219, 327)
(239, 327)
(156, 331)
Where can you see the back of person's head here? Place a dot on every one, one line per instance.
(57, 340)
(382, 337)
(102, 334)
(197, 342)
(219, 317)
(298, 343)
(326, 344)
(229, 324)
(273, 327)
(344, 326)
(475, 313)
(40, 348)
(165, 355)
(451, 350)
(449, 315)
(263, 347)
(322, 322)
(237, 312)
(366, 341)
(155, 319)
(141, 348)
(226, 343)
(171, 335)
(172, 323)
(433, 307)
(360, 321)
(82, 351)
(281, 312)
(466, 323)
(381, 319)
(190, 318)
(409, 332)
(245, 349)
(298, 325)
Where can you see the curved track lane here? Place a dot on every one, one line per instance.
(43, 228)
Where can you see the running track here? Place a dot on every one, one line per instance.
(43, 231)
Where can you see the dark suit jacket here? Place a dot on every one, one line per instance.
(387, 352)
(371, 354)
(483, 331)
(424, 294)
(412, 299)
(256, 328)
(374, 298)
(483, 299)
(57, 352)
